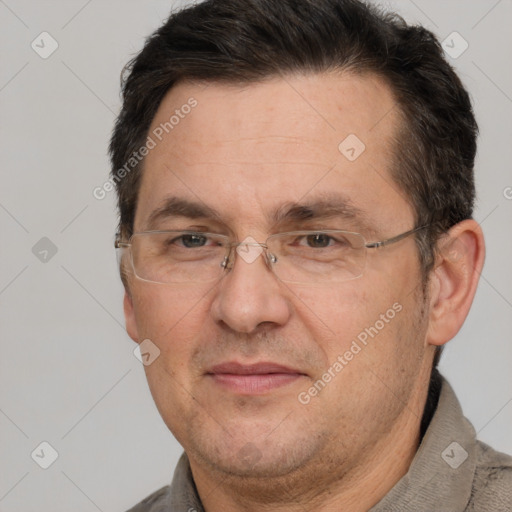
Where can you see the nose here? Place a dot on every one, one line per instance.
(250, 297)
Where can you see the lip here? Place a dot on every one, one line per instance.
(253, 379)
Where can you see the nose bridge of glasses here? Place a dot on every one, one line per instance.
(248, 250)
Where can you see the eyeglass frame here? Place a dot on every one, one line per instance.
(225, 264)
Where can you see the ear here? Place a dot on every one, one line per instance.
(129, 315)
(454, 279)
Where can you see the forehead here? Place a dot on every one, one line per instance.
(243, 150)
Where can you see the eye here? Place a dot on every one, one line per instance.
(319, 240)
(192, 241)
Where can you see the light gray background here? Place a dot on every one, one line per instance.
(67, 371)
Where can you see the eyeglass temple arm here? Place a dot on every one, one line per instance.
(119, 245)
(397, 238)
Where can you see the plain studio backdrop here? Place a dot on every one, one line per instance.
(68, 376)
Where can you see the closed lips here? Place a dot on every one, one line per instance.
(264, 368)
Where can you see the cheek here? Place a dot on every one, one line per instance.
(366, 322)
(336, 316)
(162, 306)
(171, 317)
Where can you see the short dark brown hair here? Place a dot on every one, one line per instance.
(247, 41)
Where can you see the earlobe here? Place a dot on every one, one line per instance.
(129, 315)
(454, 280)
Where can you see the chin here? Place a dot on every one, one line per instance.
(241, 452)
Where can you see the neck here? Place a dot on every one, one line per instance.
(327, 484)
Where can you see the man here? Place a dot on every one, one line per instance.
(296, 242)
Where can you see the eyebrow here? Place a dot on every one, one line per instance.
(323, 208)
(178, 207)
(316, 209)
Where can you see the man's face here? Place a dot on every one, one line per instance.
(265, 158)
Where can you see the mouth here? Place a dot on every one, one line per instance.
(253, 379)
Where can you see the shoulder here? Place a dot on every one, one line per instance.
(155, 502)
(492, 485)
